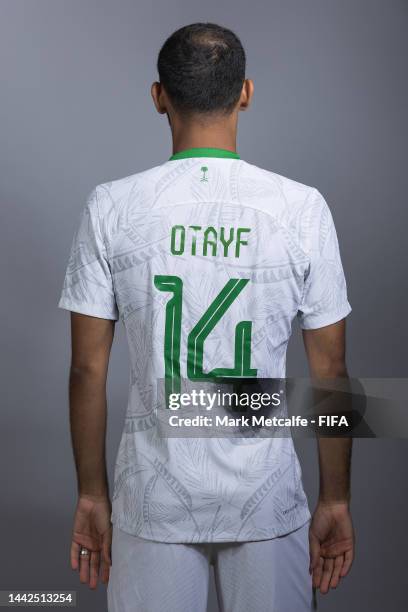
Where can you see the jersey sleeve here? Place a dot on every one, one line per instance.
(324, 300)
(88, 286)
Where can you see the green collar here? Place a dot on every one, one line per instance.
(204, 152)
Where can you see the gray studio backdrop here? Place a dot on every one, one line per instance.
(329, 111)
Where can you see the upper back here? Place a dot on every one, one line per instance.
(213, 254)
(227, 240)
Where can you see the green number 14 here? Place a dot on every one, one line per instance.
(199, 333)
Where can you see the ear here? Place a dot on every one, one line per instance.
(246, 95)
(159, 98)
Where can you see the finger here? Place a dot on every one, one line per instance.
(314, 552)
(326, 576)
(317, 573)
(104, 572)
(106, 557)
(106, 548)
(348, 560)
(335, 579)
(94, 570)
(84, 568)
(75, 555)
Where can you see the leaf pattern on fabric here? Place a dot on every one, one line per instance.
(146, 500)
(173, 483)
(123, 476)
(260, 494)
(163, 513)
(205, 489)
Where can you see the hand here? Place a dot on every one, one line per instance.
(331, 541)
(92, 530)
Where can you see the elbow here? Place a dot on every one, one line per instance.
(86, 371)
(331, 368)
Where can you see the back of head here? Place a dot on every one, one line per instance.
(202, 68)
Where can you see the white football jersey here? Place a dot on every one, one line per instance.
(206, 259)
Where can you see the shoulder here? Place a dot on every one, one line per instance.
(298, 208)
(278, 180)
(113, 195)
(278, 194)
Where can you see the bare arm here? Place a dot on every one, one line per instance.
(91, 339)
(331, 533)
(325, 350)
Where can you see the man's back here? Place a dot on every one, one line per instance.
(207, 260)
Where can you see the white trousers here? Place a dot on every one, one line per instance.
(267, 576)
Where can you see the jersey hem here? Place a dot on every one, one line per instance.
(316, 322)
(86, 309)
(303, 518)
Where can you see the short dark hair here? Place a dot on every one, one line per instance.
(202, 68)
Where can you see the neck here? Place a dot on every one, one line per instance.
(217, 134)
